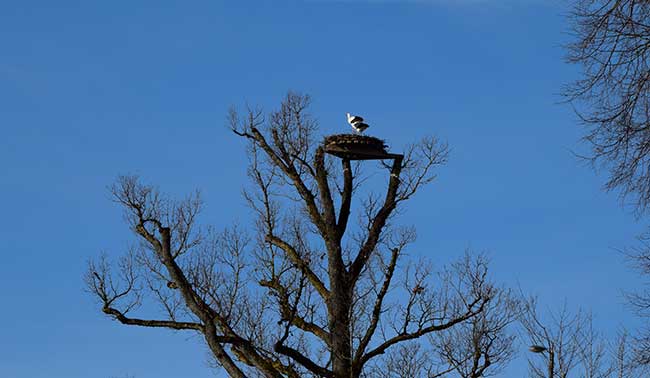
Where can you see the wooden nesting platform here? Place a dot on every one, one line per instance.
(357, 147)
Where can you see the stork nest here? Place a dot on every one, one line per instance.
(354, 146)
(355, 141)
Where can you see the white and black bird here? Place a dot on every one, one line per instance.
(357, 123)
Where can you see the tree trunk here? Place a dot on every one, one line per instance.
(340, 330)
(340, 305)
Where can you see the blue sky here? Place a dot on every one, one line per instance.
(92, 90)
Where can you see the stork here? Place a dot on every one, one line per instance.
(357, 123)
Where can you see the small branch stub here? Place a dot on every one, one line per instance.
(357, 147)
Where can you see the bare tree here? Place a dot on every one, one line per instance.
(309, 293)
(624, 358)
(555, 339)
(593, 353)
(407, 360)
(639, 300)
(612, 46)
(484, 345)
(479, 347)
(568, 345)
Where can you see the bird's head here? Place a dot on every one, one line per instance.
(348, 115)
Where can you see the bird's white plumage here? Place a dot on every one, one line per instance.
(352, 119)
(357, 123)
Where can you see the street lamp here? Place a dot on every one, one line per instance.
(537, 349)
(551, 357)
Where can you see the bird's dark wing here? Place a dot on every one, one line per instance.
(361, 126)
(356, 119)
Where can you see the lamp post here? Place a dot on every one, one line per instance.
(551, 357)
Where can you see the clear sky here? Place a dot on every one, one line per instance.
(90, 90)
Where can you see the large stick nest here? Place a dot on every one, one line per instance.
(355, 146)
(356, 141)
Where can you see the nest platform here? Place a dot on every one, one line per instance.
(357, 147)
